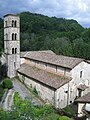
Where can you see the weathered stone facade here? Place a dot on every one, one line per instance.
(12, 43)
(57, 79)
(44, 92)
(67, 93)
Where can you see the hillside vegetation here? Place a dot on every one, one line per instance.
(39, 32)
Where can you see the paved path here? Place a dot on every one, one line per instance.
(24, 93)
(9, 100)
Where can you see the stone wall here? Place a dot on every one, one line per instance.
(80, 106)
(61, 96)
(41, 65)
(12, 43)
(44, 92)
(49, 67)
(78, 79)
(67, 93)
(13, 62)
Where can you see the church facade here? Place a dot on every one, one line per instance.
(57, 79)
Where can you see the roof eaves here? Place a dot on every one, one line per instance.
(54, 88)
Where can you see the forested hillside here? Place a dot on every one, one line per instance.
(39, 32)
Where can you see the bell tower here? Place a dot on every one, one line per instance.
(12, 43)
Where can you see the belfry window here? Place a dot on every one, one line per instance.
(15, 50)
(12, 50)
(5, 23)
(15, 36)
(12, 23)
(80, 74)
(15, 23)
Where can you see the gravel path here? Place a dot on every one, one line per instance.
(24, 93)
(9, 100)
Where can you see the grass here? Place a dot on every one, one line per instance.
(64, 118)
(68, 112)
(45, 112)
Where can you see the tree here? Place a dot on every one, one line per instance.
(61, 44)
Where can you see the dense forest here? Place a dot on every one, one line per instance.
(39, 32)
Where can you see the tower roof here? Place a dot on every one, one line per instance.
(10, 15)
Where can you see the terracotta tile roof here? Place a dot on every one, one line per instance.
(23, 54)
(84, 99)
(49, 79)
(60, 60)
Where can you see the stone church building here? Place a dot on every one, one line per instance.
(57, 79)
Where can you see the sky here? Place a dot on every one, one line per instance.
(69, 9)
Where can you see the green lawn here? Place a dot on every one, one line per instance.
(25, 110)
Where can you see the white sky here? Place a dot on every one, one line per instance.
(69, 9)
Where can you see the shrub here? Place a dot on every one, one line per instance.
(35, 91)
(68, 112)
(64, 118)
(7, 84)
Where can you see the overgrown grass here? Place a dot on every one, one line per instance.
(24, 110)
(45, 112)
(68, 112)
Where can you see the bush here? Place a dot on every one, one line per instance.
(68, 112)
(64, 118)
(7, 84)
(35, 91)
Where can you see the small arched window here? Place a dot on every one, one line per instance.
(15, 50)
(5, 23)
(80, 74)
(13, 36)
(12, 23)
(12, 50)
(15, 23)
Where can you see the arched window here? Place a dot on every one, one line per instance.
(13, 36)
(12, 23)
(5, 23)
(15, 50)
(15, 23)
(80, 74)
(6, 36)
(12, 50)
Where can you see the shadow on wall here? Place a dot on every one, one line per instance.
(3, 70)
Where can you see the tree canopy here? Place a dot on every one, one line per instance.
(63, 36)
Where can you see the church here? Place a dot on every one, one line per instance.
(58, 79)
